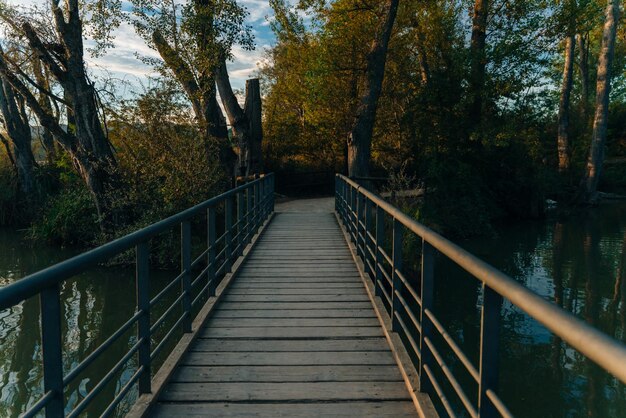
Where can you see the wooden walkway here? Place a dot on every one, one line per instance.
(294, 336)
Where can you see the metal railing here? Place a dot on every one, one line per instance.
(254, 204)
(364, 214)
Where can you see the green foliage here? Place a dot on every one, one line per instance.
(69, 218)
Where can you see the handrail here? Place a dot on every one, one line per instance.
(354, 203)
(254, 205)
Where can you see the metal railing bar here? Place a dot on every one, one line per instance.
(200, 276)
(495, 400)
(200, 293)
(409, 312)
(39, 405)
(409, 287)
(89, 397)
(32, 284)
(453, 346)
(201, 257)
(371, 252)
(106, 344)
(169, 286)
(604, 350)
(161, 344)
(408, 335)
(451, 379)
(165, 314)
(442, 398)
(221, 269)
(371, 236)
(385, 256)
(387, 296)
(220, 254)
(386, 275)
(371, 267)
(123, 392)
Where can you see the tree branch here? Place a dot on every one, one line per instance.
(37, 46)
(233, 110)
(181, 71)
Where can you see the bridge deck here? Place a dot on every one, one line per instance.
(294, 336)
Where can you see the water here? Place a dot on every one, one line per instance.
(94, 305)
(579, 263)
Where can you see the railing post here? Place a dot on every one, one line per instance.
(257, 207)
(185, 263)
(336, 194)
(427, 293)
(366, 239)
(249, 194)
(359, 215)
(380, 240)
(52, 347)
(241, 230)
(396, 284)
(489, 341)
(261, 212)
(211, 254)
(353, 216)
(228, 237)
(272, 189)
(142, 283)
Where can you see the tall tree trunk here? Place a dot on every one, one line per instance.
(603, 88)
(47, 139)
(583, 66)
(19, 134)
(245, 123)
(566, 90)
(360, 137)
(478, 62)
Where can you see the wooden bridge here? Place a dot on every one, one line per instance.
(304, 311)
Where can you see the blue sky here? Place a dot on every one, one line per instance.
(121, 62)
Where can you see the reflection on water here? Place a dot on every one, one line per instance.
(578, 263)
(94, 305)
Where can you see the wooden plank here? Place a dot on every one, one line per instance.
(303, 392)
(381, 409)
(296, 305)
(298, 291)
(349, 276)
(259, 285)
(292, 322)
(293, 313)
(297, 298)
(323, 373)
(232, 346)
(292, 332)
(255, 358)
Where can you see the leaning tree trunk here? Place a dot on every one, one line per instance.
(47, 140)
(245, 123)
(603, 88)
(566, 90)
(583, 66)
(360, 137)
(19, 134)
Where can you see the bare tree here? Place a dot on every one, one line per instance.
(360, 137)
(63, 57)
(19, 135)
(603, 88)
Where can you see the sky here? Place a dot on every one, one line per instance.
(121, 62)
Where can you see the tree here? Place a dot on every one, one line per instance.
(478, 61)
(360, 137)
(63, 56)
(16, 123)
(603, 87)
(194, 39)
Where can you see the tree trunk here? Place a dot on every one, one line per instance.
(566, 90)
(253, 111)
(478, 61)
(245, 123)
(583, 66)
(19, 133)
(47, 140)
(603, 88)
(360, 138)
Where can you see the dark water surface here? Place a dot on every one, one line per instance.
(94, 305)
(578, 263)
